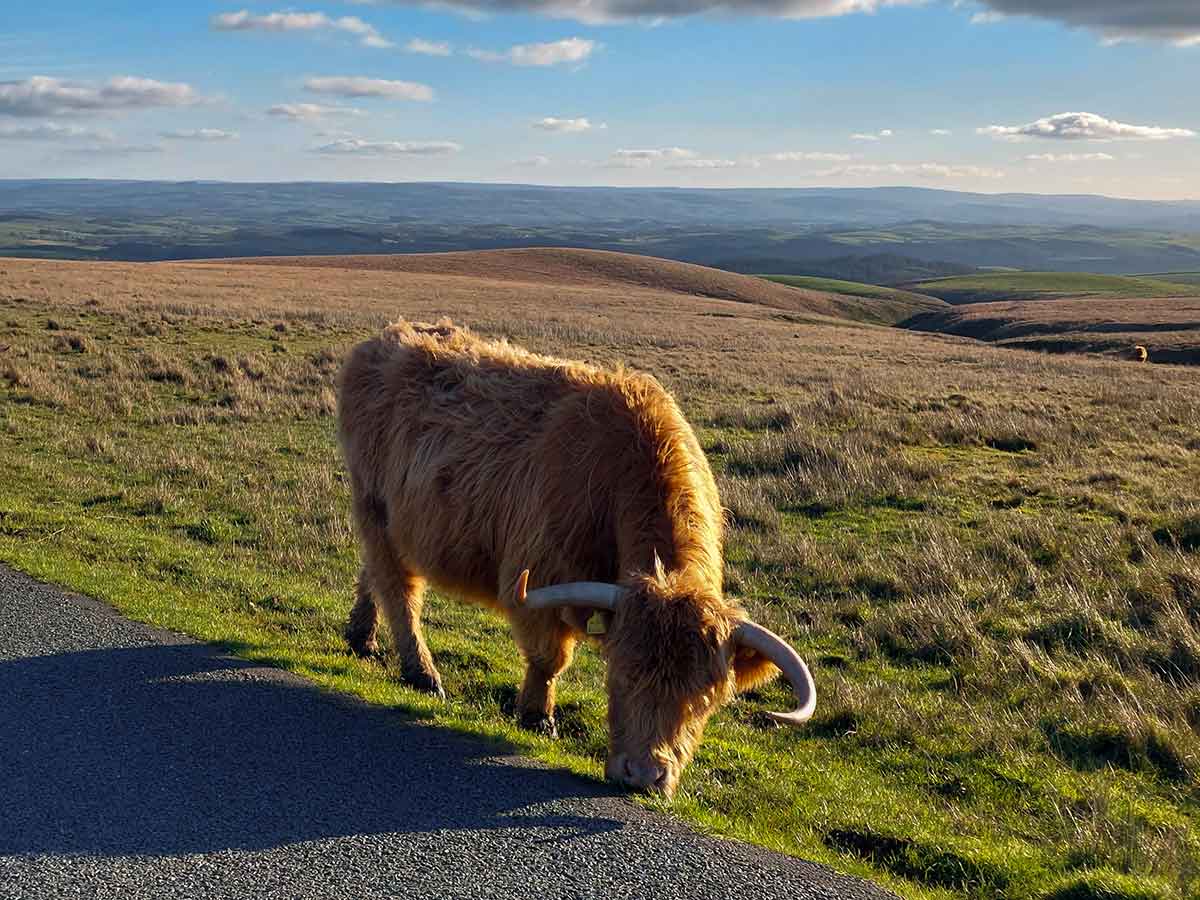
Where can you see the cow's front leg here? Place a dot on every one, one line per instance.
(547, 644)
(361, 630)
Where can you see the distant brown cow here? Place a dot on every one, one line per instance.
(481, 467)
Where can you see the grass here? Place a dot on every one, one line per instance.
(1169, 327)
(1190, 278)
(1047, 286)
(895, 305)
(990, 558)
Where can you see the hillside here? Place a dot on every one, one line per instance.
(1046, 286)
(1168, 327)
(596, 269)
(890, 305)
(989, 558)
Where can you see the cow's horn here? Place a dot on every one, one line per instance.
(590, 594)
(778, 651)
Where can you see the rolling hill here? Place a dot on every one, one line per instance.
(606, 269)
(1168, 327)
(1046, 286)
(891, 305)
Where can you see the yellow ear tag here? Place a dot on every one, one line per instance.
(596, 623)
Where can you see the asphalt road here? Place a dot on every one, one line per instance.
(137, 763)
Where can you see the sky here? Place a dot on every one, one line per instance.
(1047, 96)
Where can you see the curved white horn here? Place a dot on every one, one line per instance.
(777, 650)
(590, 594)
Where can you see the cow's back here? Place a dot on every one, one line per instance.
(488, 458)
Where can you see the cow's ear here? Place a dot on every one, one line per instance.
(750, 668)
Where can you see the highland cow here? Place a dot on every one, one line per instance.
(575, 501)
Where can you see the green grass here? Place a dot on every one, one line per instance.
(1189, 278)
(988, 561)
(1047, 285)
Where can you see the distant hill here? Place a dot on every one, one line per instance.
(1046, 286)
(338, 204)
(847, 233)
(874, 268)
(590, 268)
(606, 270)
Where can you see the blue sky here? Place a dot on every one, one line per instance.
(995, 95)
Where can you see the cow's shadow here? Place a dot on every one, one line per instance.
(174, 749)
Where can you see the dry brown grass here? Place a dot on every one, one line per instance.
(1169, 327)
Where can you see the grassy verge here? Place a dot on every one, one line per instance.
(992, 561)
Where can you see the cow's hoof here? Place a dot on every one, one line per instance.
(361, 644)
(363, 649)
(425, 682)
(540, 723)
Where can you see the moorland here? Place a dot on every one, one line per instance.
(990, 557)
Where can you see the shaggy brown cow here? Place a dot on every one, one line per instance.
(482, 468)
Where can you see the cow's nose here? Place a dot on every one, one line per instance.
(646, 774)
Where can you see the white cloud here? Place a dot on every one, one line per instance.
(1069, 157)
(357, 146)
(568, 50)
(940, 132)
(116, 149)
(308, 112)
(991, 17)
(428, 48)
(42, 95)
(886, 133)
(703, 164)
(52, 131)
(872, 136)
(798, 156)
(1175, 21)
(243, 20)
(567, 126)
(532, 162)
(1083, 126)
(595, 12)
(354, 86)
(640, 159)
(924, 170)
(199, 134)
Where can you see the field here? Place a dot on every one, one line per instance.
(1047, 286)
(991, 558)
(1168, 327)
(894, 305)
(1178, 277)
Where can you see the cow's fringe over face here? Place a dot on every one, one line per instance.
(671, 665)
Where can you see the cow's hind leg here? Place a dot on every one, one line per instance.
(363, 626)
(399, 593)
(548, 646)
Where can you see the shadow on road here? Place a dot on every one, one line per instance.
(175, 749)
